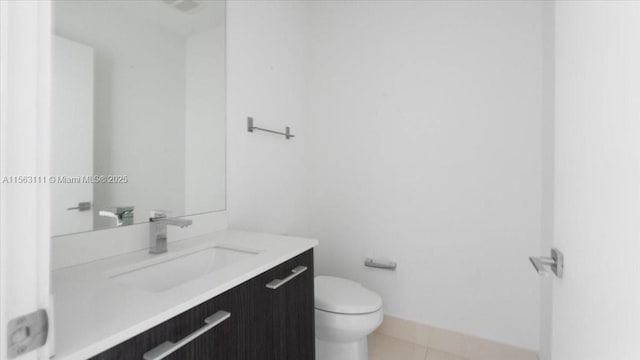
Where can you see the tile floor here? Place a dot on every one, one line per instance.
(383, 347)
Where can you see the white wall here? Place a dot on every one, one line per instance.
(425, 146)
(421, 138)
(205, 103)
(267, 80)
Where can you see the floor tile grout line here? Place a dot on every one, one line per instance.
(401, 339)
(404, 344)
(428, 351)
(421, 345)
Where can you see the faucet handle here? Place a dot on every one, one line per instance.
(119, 210)
(123, 211)
(158, 214)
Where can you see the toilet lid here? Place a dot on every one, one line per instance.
(344, 296)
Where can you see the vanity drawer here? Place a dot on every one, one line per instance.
(265, 323)
(216, 343)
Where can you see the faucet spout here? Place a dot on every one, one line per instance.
(173, 221)
(122, 214)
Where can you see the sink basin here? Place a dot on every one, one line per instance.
(164, 275)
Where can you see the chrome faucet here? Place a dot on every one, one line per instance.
(158, 230)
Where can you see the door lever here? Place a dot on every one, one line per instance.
(82, 206)
(555, 263)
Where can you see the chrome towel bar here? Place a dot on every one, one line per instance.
(250, 128)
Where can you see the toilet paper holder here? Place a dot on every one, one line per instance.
(387, 265)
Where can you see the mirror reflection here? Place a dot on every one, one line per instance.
(140, 88)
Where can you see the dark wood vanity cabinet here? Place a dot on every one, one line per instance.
(265, 323)
(288, 311)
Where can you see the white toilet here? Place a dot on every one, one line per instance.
(346, 312)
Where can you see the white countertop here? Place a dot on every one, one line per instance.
(93, 312)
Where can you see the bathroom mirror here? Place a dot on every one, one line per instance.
(138, 99)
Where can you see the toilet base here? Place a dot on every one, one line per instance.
(354, 350)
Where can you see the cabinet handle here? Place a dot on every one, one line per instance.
(166, 348)
(279, 282)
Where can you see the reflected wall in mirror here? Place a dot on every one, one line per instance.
(138, 111)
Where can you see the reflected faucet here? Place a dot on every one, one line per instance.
(122, 214)
(158, 230)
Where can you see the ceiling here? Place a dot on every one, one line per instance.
(209, 14)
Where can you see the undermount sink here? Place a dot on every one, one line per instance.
(164, 275)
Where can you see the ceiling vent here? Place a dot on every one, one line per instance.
(184, 5)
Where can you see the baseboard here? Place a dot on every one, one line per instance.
(466, 346)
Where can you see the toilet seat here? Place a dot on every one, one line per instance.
(342, 296)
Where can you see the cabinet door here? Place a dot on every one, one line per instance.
(292, 307)
(221, 342)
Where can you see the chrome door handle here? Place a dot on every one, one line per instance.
(274, 284)
(82, 206)
(167, 348)
(555, 263)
